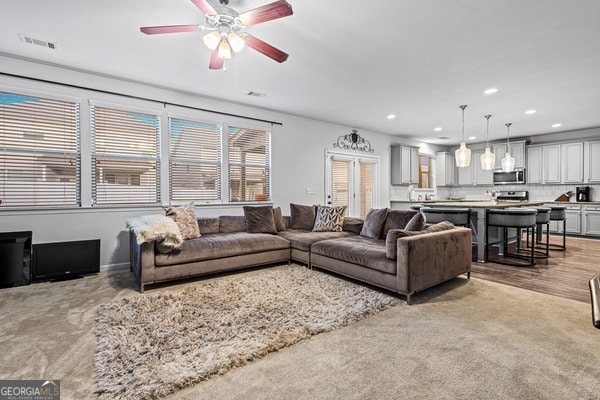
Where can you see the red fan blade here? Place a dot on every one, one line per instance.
(216, 62)
(278, 9)
(205, 7)
(153, 30)
(265, 48)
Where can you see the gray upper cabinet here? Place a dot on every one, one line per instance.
(517, 150)
(405, 164)
(572, 162)
(535, 165)
(552, 161)
(592, 162)
(556, 163)
(445, 169)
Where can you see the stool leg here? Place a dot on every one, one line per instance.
(548, 240)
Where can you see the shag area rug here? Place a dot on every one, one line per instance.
(154, 344)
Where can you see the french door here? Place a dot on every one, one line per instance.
(351, 181)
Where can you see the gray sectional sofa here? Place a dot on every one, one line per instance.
(388, 256)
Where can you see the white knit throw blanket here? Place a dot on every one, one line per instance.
(158, 228)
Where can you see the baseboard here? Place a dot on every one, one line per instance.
(113, 267)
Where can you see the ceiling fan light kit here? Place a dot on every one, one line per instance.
(226, 29)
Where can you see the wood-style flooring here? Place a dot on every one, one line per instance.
(564, 274)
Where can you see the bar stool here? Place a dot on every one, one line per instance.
(458, 216)
(518, 218)
(559, 213)
(541, 218)
(416, 207)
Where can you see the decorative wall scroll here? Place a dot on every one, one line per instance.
(353, 141)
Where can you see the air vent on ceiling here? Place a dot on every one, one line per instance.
(256, 94)
(443, 138)
(39, 42)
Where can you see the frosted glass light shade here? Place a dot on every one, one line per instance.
(224, 50)
(463, 155)
(508, 163)
(212, 40)
(488, 159)
(235, 41)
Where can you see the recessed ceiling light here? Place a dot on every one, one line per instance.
(391, 116)
(556, 125)
(472, 137)
(490, 91)
(529, 112)
(438, 129)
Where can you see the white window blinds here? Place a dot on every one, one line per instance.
(194, 161)
(125, 162)
(39, 152)
(340, 178)
(249, 164)
(367, 187)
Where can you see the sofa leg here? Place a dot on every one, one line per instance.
(469, 275)
(408, 299)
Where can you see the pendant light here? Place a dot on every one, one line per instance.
(463, 154)
(508, 162)
(488, 159)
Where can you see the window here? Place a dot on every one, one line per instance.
(249, 164)
(125, 159)
(39, 152)
(425, 173)
(194, 161)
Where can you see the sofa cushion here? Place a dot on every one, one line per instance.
(359, 250)
(279, 221)
(329, 219)
(259, 219)
(302, 217)
(391, 245)
(397, 219)
(221, 245)
(185, 217)
(416, 223)
(353, 224)
(208, 224)
(232, 223)
(302, 239)
(374, 223)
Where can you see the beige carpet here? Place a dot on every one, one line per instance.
(153, 345)
(463, 339)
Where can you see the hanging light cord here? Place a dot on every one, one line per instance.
(463, 121)
(487, 136)
(507, 134)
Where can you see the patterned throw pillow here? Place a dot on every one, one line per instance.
(329, 219)
(185, 217)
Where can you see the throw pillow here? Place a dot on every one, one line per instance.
(416, 223)
(185, 217)
(374, 223)
(395, 234)
(329, 219)
(279, 222)
(259, 219)
(302, 217)
(397, 219)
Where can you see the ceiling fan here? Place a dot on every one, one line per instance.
(226, 29)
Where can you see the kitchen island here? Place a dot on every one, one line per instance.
(479, 216)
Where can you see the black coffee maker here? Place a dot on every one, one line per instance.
(583, 193)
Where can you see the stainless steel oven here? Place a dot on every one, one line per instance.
(509, 178)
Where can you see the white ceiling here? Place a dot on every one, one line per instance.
(351, 62)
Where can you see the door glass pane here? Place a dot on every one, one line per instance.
(340, 171)
(367, 188)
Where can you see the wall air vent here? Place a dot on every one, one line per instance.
(38, 42)
(256, 94)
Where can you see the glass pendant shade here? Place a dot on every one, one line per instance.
(212, 40)
(488, 159)
(463, 155)
(508, 163)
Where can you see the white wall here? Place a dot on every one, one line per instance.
(298, 148)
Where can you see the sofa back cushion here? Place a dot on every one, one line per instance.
(279, 221)
(208, 225)
(353, 224)
(374, 223)
(397, 219)
(232, 223)
(259, 219)
(393, 235)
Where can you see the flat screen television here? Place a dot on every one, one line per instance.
(65, 260)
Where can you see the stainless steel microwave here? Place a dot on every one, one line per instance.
(509, 178)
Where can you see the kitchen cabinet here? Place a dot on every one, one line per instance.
(405, 164)
(517, 150)
(592, 162)
(445, 169)
(571, 162)
(552, 169)
(591, 220)
(535, 165)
